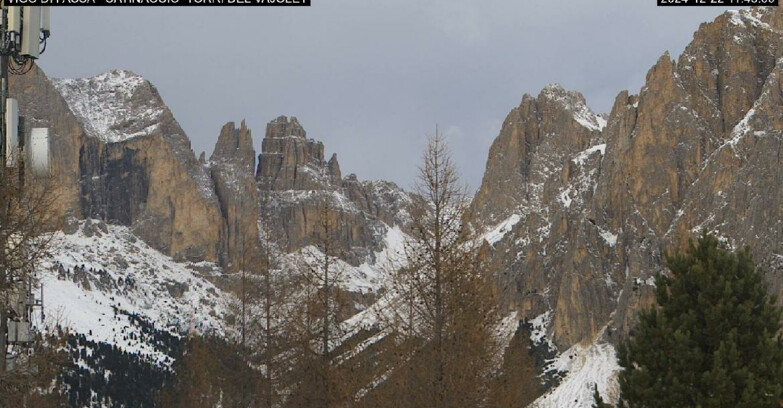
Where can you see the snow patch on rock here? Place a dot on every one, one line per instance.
(611, 239)
(565, 197)
(499, 231)
(538, 328)
(584, 155)
(748, 18)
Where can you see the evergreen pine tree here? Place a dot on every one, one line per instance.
(713, 341)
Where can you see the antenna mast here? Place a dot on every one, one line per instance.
(23, 34)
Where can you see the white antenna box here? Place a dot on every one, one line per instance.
(11, 132)
(15, 19)
(39, 149)
(31, 31)
(46, 21)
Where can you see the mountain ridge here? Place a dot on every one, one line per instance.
(591, 229)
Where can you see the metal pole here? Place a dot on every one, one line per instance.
(3, 271)
(4, 86)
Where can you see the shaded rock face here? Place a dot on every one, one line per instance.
(122, 200)
(540, 175)
(232, 166)
(141, 183)
(595, 209)
(43, 106)
(531, 147)
(290, 161)
(380, 199)
(119, 155)
(294, 182)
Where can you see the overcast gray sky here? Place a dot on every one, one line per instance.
(371, 78)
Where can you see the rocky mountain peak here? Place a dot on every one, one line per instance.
(768, 18)
(232, 169)
(283, 127)
(574, 103)
(581, 215)
(557, 93)
(556, 125)
(124, 159)
(290, 161)
(114, 106)
(235, 145)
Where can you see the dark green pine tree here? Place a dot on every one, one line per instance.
(713, 341)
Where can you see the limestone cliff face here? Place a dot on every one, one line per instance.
(290, 161)
(43, 106)
(382, 200)
(119, 155)
(295, 181)
(583, 215)
(140, 183)
(232, 165)
(529, 150)
(677, 171)
(540, 176)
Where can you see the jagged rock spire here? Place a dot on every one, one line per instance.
(290, 161)
(235, 145)
(282, 127)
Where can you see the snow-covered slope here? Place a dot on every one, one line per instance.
(100, 276)
(584, 367)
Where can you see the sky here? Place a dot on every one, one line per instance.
(372, 78)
